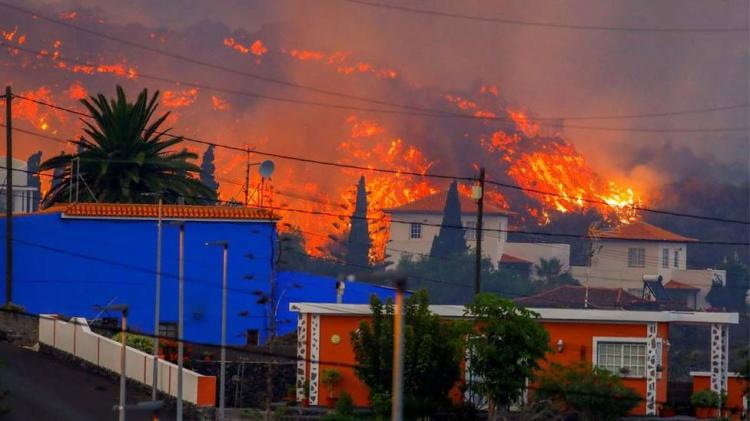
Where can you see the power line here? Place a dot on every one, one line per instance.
(541, 24)
(418, 111)
(409, 173)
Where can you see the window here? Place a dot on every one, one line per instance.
(665, 258)
(168, 330)
(415, 230)
(471, 230)
(636, 257)
(676, 258)
(624, 358)
(252, 337)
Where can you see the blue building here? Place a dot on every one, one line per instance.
(70, 258)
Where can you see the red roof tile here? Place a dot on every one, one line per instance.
(569, 296)
(150, 211)
(435, 203)
(643, 231)
(507, 258)
(679, 285)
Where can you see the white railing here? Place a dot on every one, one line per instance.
(76, 338)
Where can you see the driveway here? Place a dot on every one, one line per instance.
(43, 388)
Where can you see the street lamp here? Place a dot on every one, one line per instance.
(222, 372)
(123, 308)
(157, 297)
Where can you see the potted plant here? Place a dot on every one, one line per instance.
(624, 371)
(291, 395)
(667, 410)
(306, 391)
(705, 403)
(331, 378)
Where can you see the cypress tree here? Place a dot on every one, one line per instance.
(451, 238)
(207, 170)
(32, 166)
(358, 249)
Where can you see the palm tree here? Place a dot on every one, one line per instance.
(550, 274)
(125, 155)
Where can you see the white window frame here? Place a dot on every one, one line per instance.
(638, 262)
(665, 258)
(624, 340)
(415, 228)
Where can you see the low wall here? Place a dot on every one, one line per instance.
(736, 404)
(76, 338)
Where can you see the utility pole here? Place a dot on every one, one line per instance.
(223, 370)
(8, 196)
(247, 178)
(397, 389)
(477, 194)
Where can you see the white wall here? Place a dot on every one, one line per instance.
(534, 252)
(77, 338)
(401, 242)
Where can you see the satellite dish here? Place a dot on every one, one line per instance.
(266, 168)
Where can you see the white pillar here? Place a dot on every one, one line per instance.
(314, 357)
(651, 363)
(301, 355)
(719, 357)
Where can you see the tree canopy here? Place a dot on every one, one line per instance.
(358, 244)
(208, 168)
(125, 153)
(550, 275)
(505, 349)
(451, 238)
(433, 350)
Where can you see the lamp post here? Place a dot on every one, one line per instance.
(222, 372)
(157, 298)
(123, 308)
(397, 398)
(180, 317)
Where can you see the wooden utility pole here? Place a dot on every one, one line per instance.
(478, 195)
(247, 179)
(8, 196)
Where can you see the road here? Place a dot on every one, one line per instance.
(43, 388)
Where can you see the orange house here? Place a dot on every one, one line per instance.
(633, 343)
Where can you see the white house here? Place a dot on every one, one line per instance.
(422, 223)
(24, 196)
(620, 257)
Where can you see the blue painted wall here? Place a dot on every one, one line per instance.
(67, 266)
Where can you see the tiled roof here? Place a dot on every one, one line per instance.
(150, 211)
(435, 203)
(507, 258)
(569, 296)
(640, 230)
(679, 285)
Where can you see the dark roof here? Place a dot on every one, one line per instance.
(569, 296)
(435, 203)
(151, 211)
(679, 285)
(639, 230)
(508, 259)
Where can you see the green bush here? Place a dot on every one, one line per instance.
(139, 342)
(345, 405)
(595, 393)
(705, 399)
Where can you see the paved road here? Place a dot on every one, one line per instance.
(43, 388)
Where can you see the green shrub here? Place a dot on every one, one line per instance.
(139, 342)
(345, 405)
(595, 393)
(705, 399)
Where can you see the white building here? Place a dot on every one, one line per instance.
(25, 197)
(622, 256)
(422, 223)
